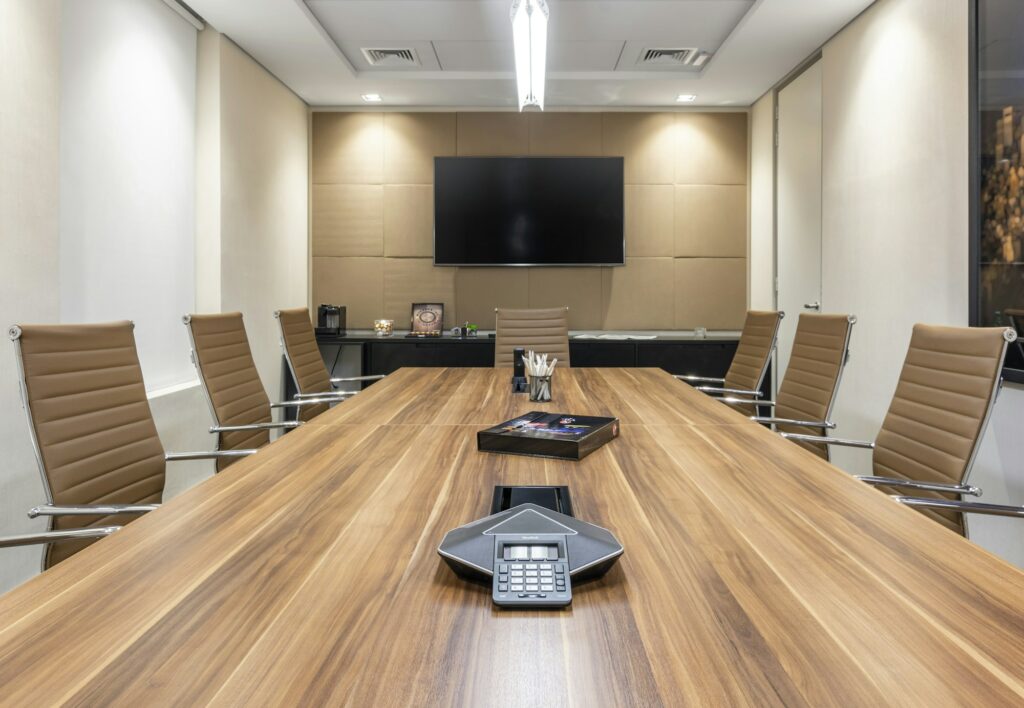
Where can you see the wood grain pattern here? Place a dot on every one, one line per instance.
(755, 573)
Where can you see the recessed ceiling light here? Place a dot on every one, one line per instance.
(529, 42)
(686, 98)
(372, 97)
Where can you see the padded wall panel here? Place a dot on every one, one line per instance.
(710, 220)
(348, 220)
(479, 290)
(409, 280)
(649, 213)
(639, 295)
(565, 134)
(710, 292)
(409, 220)
(492, 134)
(348, 148)
(711, 148)
(356, 283)
(645, 140)
(411, 141)
(579, 289)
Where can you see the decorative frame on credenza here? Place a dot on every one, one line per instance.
(427, 319)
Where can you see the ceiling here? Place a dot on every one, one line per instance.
(464, 57)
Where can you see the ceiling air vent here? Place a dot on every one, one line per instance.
(391, 57)
(666, 57)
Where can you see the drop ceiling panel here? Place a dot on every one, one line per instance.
(754, 44)
(500, 56)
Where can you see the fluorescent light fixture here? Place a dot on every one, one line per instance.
(372, 97)
(530, 38)
(686, 98)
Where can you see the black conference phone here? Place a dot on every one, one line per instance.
(530, 553)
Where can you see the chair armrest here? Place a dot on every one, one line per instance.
(930, 486)
(31, 539)
(90, 509)
(708, 379)
(789, 421)
(304, 402)
(254, 426)
(206, 455)
(962, 506)
(733, 401)
(340, 395)
(829, 441)
(343, 379)
(734, 391)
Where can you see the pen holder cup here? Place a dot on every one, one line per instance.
(540, 388)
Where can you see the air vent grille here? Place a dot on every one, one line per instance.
(391, 56)
(666, 57)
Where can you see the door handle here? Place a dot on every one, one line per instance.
(812, 306)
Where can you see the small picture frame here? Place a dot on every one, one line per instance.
(427, 318)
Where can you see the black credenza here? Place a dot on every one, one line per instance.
(365, 354)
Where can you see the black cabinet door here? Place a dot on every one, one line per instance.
(593, 353)
(388, 356)
(698, 358)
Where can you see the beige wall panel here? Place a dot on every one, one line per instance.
(579, 289)
(710, 220)
(711, 148)
(356, 283)
(649, 216)
(565, 133)
(710, 292)
(409, 220)
(638, 296)
(348, 220)
(409, 280)
(492, 134)
(645, 140)
(479, 290)
(348, 148)
(411, 141)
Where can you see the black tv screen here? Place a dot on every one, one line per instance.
(528, 211)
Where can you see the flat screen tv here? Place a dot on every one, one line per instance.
(536, 211)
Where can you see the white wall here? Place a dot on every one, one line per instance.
(29, 228)
(761, 253)
(895, 224)
(263, 212)
(127, 172)
(894, 192)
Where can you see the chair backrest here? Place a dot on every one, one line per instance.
(220, 351)
(545, 331)
(90, 422)
(298, 340)
(812, 377)
(940, 408)
(754, 352)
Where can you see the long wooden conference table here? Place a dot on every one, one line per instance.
(754, 573)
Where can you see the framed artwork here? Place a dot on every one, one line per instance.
(427, 318)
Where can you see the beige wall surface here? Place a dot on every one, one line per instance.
(761, 256)
(257, 131)
(685, 217)
(29, 223)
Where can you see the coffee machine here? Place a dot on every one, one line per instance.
(330, 319)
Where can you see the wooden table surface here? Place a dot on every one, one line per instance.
(754, 573)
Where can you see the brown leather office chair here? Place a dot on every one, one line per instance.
(742, 382)
(298, 342)
(545, 331)
(241, 410)
(821, 347)
(936, 419)
(95, 441)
